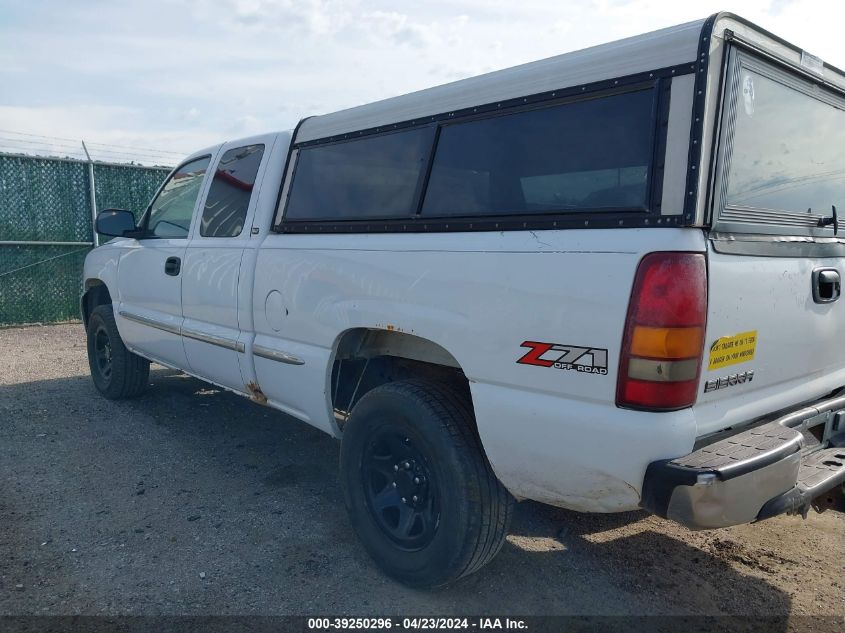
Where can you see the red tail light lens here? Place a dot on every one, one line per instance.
(663, 341)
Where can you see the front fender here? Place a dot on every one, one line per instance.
(100, 269)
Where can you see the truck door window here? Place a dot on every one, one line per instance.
(228, 197)
(170, 213)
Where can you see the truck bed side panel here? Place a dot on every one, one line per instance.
(481, 296)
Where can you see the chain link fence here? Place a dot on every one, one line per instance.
(46, 228)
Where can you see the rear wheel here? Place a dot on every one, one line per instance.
(419, 490)
(117, 372)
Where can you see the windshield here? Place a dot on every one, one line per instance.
(788, 149)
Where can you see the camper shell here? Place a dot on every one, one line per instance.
(686, 65)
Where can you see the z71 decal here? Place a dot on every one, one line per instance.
(588, 360)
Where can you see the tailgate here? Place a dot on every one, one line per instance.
(776, 254)
(774, 336)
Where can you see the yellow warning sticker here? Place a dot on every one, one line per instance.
(731, 350)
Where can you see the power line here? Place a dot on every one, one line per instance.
(27, 142)
(61, 155)
(118, 153)
(59, 138)
(45, 146)
(129, 147)
(160, 151)
(78, 148)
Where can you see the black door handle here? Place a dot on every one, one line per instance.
(172, 266)
(827, 285)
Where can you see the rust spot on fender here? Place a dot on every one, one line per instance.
(256, 395)
(390, 327)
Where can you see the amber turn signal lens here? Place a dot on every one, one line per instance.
(666, 342)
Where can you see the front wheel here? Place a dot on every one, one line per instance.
(419, 490)
(117, 372)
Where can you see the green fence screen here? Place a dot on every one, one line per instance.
(48, 200)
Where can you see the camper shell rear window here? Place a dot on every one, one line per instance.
(782, 162)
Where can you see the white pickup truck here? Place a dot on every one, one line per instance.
(605, 281)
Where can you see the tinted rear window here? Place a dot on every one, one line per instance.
(228, 197)
(371, 177)
(582, 156)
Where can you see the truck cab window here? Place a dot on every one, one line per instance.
(170, 213)
(230, 192)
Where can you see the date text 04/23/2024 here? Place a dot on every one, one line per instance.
(417, 624)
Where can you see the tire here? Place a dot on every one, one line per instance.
(447, 514)
(117, 372)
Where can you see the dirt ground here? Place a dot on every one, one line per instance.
(189, 500)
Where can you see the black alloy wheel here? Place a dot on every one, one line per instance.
(103, 353)
(400, 489)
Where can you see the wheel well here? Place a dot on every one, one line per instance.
(96, 294)
(367, 358)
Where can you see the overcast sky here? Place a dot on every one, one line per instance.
(181, 74)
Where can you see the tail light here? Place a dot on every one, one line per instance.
(664, 333)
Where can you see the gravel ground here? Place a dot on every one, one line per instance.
(189, 500)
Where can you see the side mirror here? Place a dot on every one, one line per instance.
(115, 222)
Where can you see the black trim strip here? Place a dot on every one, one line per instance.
(716, 141)
(702, 64)
(419, 194)
(522, 222)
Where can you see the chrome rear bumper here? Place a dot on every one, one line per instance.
(773, 468)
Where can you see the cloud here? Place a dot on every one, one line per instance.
(311, 17)
(186, 73)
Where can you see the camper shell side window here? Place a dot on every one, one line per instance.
(581, 158)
